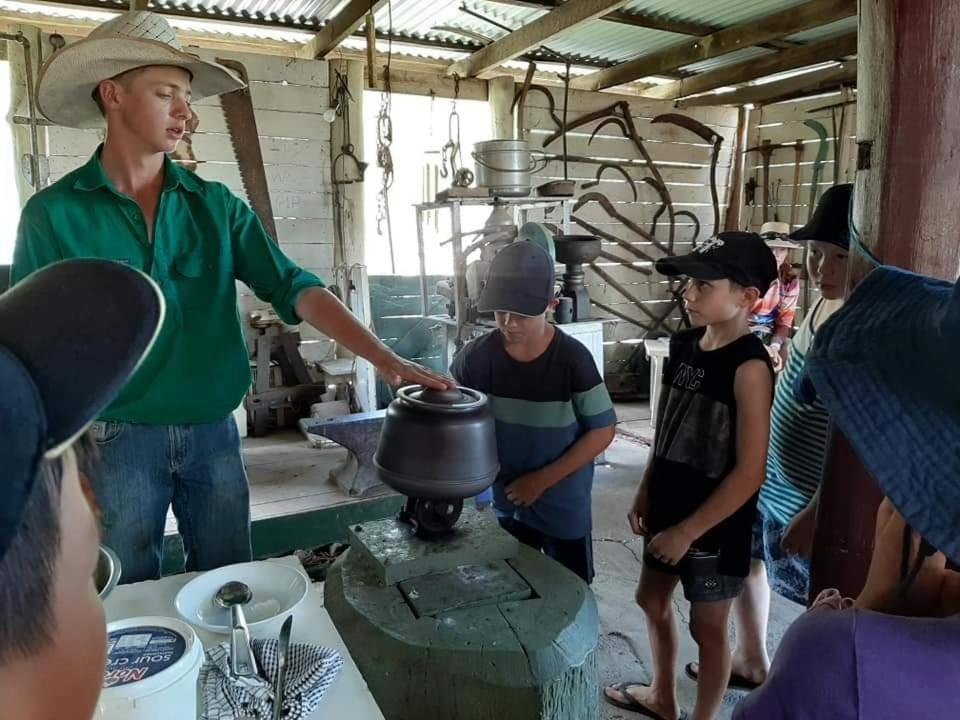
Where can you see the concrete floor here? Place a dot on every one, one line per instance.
(624, 648)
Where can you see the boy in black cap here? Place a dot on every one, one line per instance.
(697, 499)
(552, 409)
(58, 370)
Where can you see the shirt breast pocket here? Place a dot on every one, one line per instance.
(195, 280)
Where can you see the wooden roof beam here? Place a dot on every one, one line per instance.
(339, 27)
(533, 34)
(779, 24)
(836, 48)
(813, 83)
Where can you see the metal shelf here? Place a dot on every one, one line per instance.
(520, 206)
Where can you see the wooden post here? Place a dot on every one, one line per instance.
(500, 97)
(737, 174)
(906, 213)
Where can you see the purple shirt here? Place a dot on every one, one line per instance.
(861, 665)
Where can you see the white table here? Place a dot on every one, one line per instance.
(657, 352)
(348, 697)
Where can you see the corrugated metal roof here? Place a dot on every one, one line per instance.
(719, 13)
(840, 27)
(596, 43)
(737, 56)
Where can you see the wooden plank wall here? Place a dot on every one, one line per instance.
(783, 123)
(683, 160)
(289, 97)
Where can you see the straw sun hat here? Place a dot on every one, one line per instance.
(132, 40)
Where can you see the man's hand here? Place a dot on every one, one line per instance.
(396, 371)
(638, 512)
(671, 545)
(798, 537)
(527, 489)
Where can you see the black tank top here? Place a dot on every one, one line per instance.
(696, 442)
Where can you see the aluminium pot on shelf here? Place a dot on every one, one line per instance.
(438, 444)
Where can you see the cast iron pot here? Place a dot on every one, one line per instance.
(438, 444)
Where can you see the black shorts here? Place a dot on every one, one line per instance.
(575, 555)
(700, 576)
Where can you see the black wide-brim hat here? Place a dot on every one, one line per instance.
(71, 335)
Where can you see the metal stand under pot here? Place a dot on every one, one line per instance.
(445, 613)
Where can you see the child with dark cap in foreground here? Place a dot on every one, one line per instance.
(697, 499)
(553, 413)
(70, 336)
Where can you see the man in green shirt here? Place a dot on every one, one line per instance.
(169, 438)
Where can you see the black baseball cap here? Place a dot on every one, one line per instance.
(739, 256)
(831, 220)
(521, 280)
(71, 334)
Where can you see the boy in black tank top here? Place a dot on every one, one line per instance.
(697, 499)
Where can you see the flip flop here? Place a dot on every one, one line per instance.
(631, 704)
(737, 681)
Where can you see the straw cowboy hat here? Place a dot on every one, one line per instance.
(885, 366)
(132, 40)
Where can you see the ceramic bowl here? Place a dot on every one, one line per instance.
(278, 589)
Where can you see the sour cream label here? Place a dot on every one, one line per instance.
(135, 654)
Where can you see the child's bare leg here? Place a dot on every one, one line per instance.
(751, 611)
(708, 625)
(655, 598)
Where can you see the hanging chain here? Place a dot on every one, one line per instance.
(451, 152)
(385, 161)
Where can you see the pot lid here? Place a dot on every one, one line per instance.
(458, 399)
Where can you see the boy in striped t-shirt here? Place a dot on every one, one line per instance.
(553, 413)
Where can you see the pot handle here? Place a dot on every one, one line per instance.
(532, 167)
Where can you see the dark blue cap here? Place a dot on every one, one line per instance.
(521, 280)
(71, 335)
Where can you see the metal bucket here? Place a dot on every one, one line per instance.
(504, 166)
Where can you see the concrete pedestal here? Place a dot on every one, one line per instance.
(478, 627)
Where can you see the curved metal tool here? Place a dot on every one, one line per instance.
(612, 211)
(551, 105)
(609, 121)
(611, 166)
(712, 138)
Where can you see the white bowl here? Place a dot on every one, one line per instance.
(278, 588)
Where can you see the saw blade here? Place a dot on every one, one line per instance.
(242, 125)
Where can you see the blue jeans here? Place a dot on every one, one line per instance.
(197, 468)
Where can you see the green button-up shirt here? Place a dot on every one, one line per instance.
(205, 238)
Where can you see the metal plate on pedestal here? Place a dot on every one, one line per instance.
(464, 587)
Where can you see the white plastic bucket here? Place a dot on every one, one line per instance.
(153, 666)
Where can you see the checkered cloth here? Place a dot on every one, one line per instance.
(310, 671)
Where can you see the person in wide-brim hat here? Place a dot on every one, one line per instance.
(885, 367)
(169, 438)
(68, 80)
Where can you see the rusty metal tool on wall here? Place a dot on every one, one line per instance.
(712, 138)
(242, 125)
(766, 150)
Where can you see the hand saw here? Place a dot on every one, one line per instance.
(242, 126)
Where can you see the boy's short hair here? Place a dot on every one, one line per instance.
(28, 570)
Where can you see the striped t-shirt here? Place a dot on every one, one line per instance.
(799, 433)
(542, 408)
